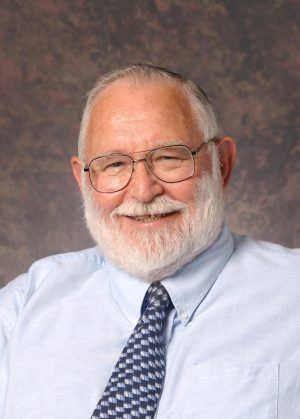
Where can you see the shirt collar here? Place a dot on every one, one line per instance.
(190, 285)
(187, 287)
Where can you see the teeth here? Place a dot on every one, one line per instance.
(150, 217)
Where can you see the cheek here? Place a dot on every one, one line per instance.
(183, 191)
(108, 201)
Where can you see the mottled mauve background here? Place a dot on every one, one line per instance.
(245, 55)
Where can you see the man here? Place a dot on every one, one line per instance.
(218, 335)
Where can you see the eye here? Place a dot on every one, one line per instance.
(115, 164)
(169, 157)
(166, 156)
(114, 167)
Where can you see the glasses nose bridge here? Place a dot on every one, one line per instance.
(141, 159)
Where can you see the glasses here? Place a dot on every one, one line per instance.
(170, 164)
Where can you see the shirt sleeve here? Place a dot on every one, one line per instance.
(16, 294)
(12, 298)
(3, 333)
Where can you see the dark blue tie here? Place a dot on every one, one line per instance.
(135, 386)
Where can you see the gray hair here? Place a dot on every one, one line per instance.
(200, 103)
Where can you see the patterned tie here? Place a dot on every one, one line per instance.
(135, 386)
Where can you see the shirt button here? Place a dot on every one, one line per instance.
(184, 315)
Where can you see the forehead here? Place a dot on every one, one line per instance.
(138, 114)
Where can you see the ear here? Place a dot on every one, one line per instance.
(77, 168)
(227, 156)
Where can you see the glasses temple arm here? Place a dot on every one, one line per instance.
(196, 150)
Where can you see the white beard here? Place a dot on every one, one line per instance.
(154, 255)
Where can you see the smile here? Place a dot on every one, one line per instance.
(148, 218)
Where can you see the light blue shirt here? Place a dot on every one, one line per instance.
(232, 339)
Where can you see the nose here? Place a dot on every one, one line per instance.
(144, 186)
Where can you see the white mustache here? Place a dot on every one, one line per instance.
(161, 205)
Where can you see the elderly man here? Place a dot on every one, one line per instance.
(170, 315)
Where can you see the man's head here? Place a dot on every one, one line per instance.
(152, 227)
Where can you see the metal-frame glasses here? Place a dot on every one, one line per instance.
(170, 164)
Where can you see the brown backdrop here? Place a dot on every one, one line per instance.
(244, 54)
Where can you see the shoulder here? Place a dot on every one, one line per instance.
(265, 257)
(263, 275)
(91, 255)
(17, 293)
(265, 248)
(39, 270)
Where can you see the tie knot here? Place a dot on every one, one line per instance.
(157, 296)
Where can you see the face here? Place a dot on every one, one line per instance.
(148, 214)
